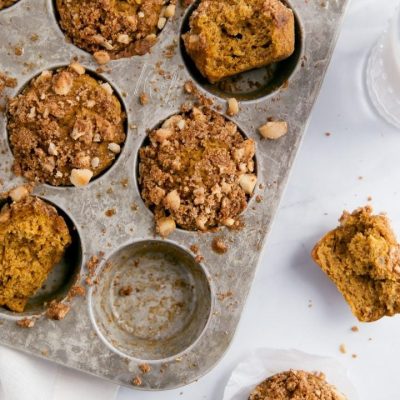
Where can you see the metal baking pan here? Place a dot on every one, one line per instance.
(184, 314)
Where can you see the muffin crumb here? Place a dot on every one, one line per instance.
(219, 246)
(26, 323)
(137, 381)
(125, 291)
(77, 291)
(342, 349)
(145, 368)
(57, 311)
(110, 212)
(144, 99)
(354, 329)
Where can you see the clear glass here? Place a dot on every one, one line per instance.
(383, 72)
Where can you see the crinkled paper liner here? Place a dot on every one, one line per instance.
(263, 363)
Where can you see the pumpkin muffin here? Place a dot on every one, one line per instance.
(65, 127)
(227, 37)
(120, 28)
(6, 3)
(197, 172)
(33, 239)
(362, 257)
(296, 385)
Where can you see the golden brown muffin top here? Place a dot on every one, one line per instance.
(227, 37)
(63, 122)
(33, 238)
(122, 28)
(296, 385)
(198, 169)
(362, 257)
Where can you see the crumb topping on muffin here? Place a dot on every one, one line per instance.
(296, 385)
(65, 127)
(119, 28)
(197, 171)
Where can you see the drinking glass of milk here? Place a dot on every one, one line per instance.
(383, 72)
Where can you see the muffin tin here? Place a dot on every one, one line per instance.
(153, 303)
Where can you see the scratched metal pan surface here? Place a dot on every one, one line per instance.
(181, 316)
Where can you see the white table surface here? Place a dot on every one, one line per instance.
(325, 180)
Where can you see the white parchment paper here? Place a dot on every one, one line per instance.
(263, 363)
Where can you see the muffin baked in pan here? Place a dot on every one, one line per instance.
(65, 127)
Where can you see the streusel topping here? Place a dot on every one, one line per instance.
(119, 28)
(296, 385)
(65, 127)
(197, 172)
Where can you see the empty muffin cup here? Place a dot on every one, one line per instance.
(152, 301)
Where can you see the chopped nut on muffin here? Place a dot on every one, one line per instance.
(111, 29)
(362, 257)
(65, 127)
(227, 37)
(197, 172)
(296, 385)
(273, 129)
(33, 239)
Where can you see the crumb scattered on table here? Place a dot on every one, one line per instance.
(219, 246)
